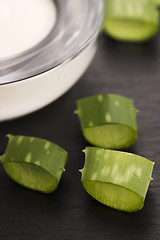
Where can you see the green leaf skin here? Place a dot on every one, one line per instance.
(117, 179)
(35, 163)
(131, 20)
(108, 120)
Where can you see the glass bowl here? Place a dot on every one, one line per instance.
(36, 77)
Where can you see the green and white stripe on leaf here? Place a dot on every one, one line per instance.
(117, 179)
(34, 163)
(108, 120)
(131, 20)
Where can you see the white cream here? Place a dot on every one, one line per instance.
(24, 23)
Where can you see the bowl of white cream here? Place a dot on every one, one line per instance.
(45, 47)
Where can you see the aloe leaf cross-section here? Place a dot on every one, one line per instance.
(117, 179)
(108, 120)
(35, 163)
(131, 20)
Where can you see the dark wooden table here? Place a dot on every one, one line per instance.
(69, 213)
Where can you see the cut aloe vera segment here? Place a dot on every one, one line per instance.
(130, 20)
(34, 163)
(117, 179)
(108, 120)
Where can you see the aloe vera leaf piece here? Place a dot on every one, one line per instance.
(34, 163)
(130, 20)
(108, 120)
(117, 179)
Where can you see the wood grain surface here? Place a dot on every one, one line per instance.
(69, 213)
